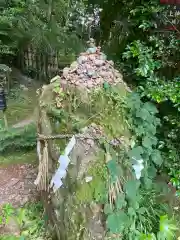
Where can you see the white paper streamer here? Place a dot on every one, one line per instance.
(70, 146)
(56, 181)
(138, 167)
(89, 179)
(64, 161)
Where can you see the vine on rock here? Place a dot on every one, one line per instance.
(145, 143)
(132, 210)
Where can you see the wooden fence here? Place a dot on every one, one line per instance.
(41, 65)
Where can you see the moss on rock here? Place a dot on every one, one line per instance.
(95, 189)
(98, 113)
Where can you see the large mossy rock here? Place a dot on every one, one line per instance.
(75, 209)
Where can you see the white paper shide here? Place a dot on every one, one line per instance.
(64, 161)
(138, 167)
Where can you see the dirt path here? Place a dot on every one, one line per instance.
(17, 184)
(17, 181)
(23, 123)
(16, 188)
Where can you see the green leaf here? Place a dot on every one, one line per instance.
(106, 85)
(147, 183)
(157, 158)
(142, 218)
(142, 210)
(120, 201)
(140, 130)
(112, 167)
(147, 143)
(131, 188)
(131, 211)
(136, 153)
(108, 209)
(134, 203)
(143, 114)
(147, 237)
(150, 128)
(151, 172)
(167, 228)
(154, 140)
(116, 222)
(150, 107)
(1, 220)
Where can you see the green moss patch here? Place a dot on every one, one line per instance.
(103, 107)
(94, 190)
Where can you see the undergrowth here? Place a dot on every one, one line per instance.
(134, 211)
(129, 191)
(18, 157)
(30, 220)
(20, 105)
(18, 138)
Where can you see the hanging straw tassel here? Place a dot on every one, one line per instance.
(45, 167)
(114, 188)
(42, 178)
(37, 181)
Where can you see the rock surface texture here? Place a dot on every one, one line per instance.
(92, 69)
(71, 207)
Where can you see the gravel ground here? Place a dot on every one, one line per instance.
(17, 184)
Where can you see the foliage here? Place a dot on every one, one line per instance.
(174, 180)
(6, 213)
(9, 238)
(146, 62)
(145, 143)
(50, 26)
(30, 219)
(135, 212)
(160, 89)
(134, 35)
(16, 139)
(134, 209)
(8, 20)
